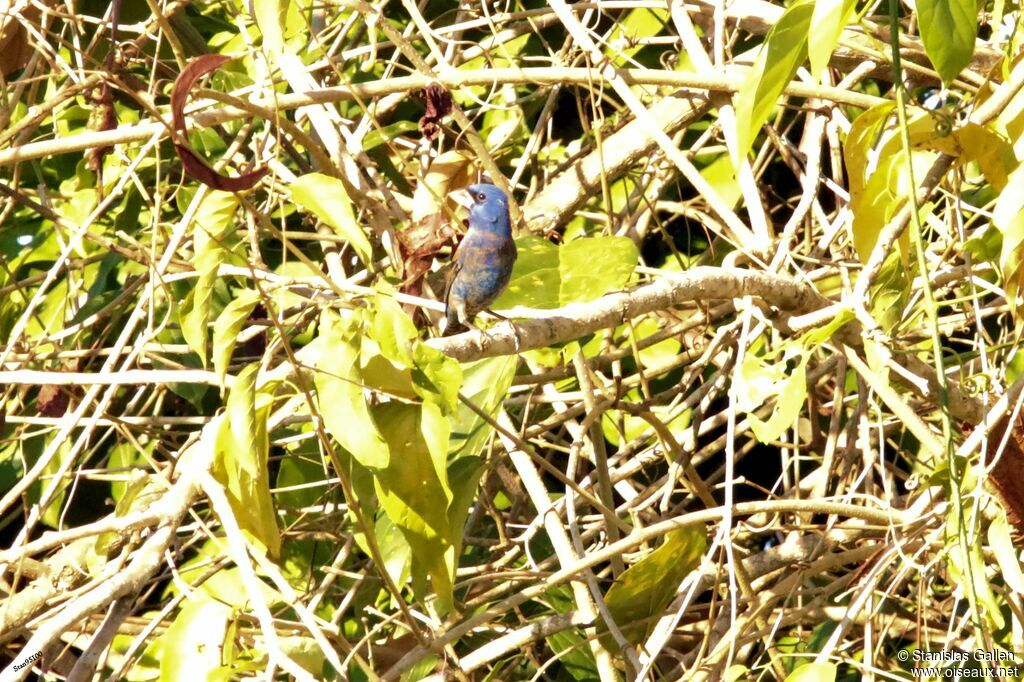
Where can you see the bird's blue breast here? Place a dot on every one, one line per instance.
(485, 265)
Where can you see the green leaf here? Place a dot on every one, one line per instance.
(574, 655)
(240, 462)
(948, 30)
(637, 24)
(758, 381)
(413, 491)
(393, 330)
(777, 62)
(339, 387)
(811, 340)
(306, 477)
(1008, 217)
(813, 672)
(967, 569)
(384, 134)
(303, 650)
(196, 638)
(621, 427)
(436, 377)
(52, 514)
(270, 16)
(827, 22)
(550, 276)
(485, 383)
(644, 589)
(1001, 542)
(326, 198)
(128, 457)
(215, 215)
(229, 324)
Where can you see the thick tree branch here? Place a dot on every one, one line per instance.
(578, 320)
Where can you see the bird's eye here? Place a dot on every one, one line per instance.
(481, 197)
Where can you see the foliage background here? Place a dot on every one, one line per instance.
(754, 413)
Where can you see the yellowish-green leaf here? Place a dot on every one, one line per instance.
(52, 514)
(735, 673)
(340, 396)
(972, 143)
(214, 217)
(948, 30)
(485, 383)
(878, 193)
(393, 330)
(229, 324)
(644, 589)
(758, 381)
(1001, 542)
(550, 276)
(721, 174)
(784, 50)
(864, 132)
(240, 462)
(1008, 217)
(196, 638)
(326, 198)
(413, 494)
(270, 16)
(436, 377)
(813, 672)
(827, 22)
(967, 570)
(626, 37)
(126, 457)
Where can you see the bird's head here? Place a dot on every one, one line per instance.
(488, 208)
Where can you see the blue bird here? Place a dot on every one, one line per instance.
(483, 261)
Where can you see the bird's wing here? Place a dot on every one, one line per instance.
(453, 270)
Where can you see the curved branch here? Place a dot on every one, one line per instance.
(577, 320)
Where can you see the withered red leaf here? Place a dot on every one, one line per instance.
(52, 401)
(439, 105)
(195, 166)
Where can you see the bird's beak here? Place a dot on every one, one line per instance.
(462, 198)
